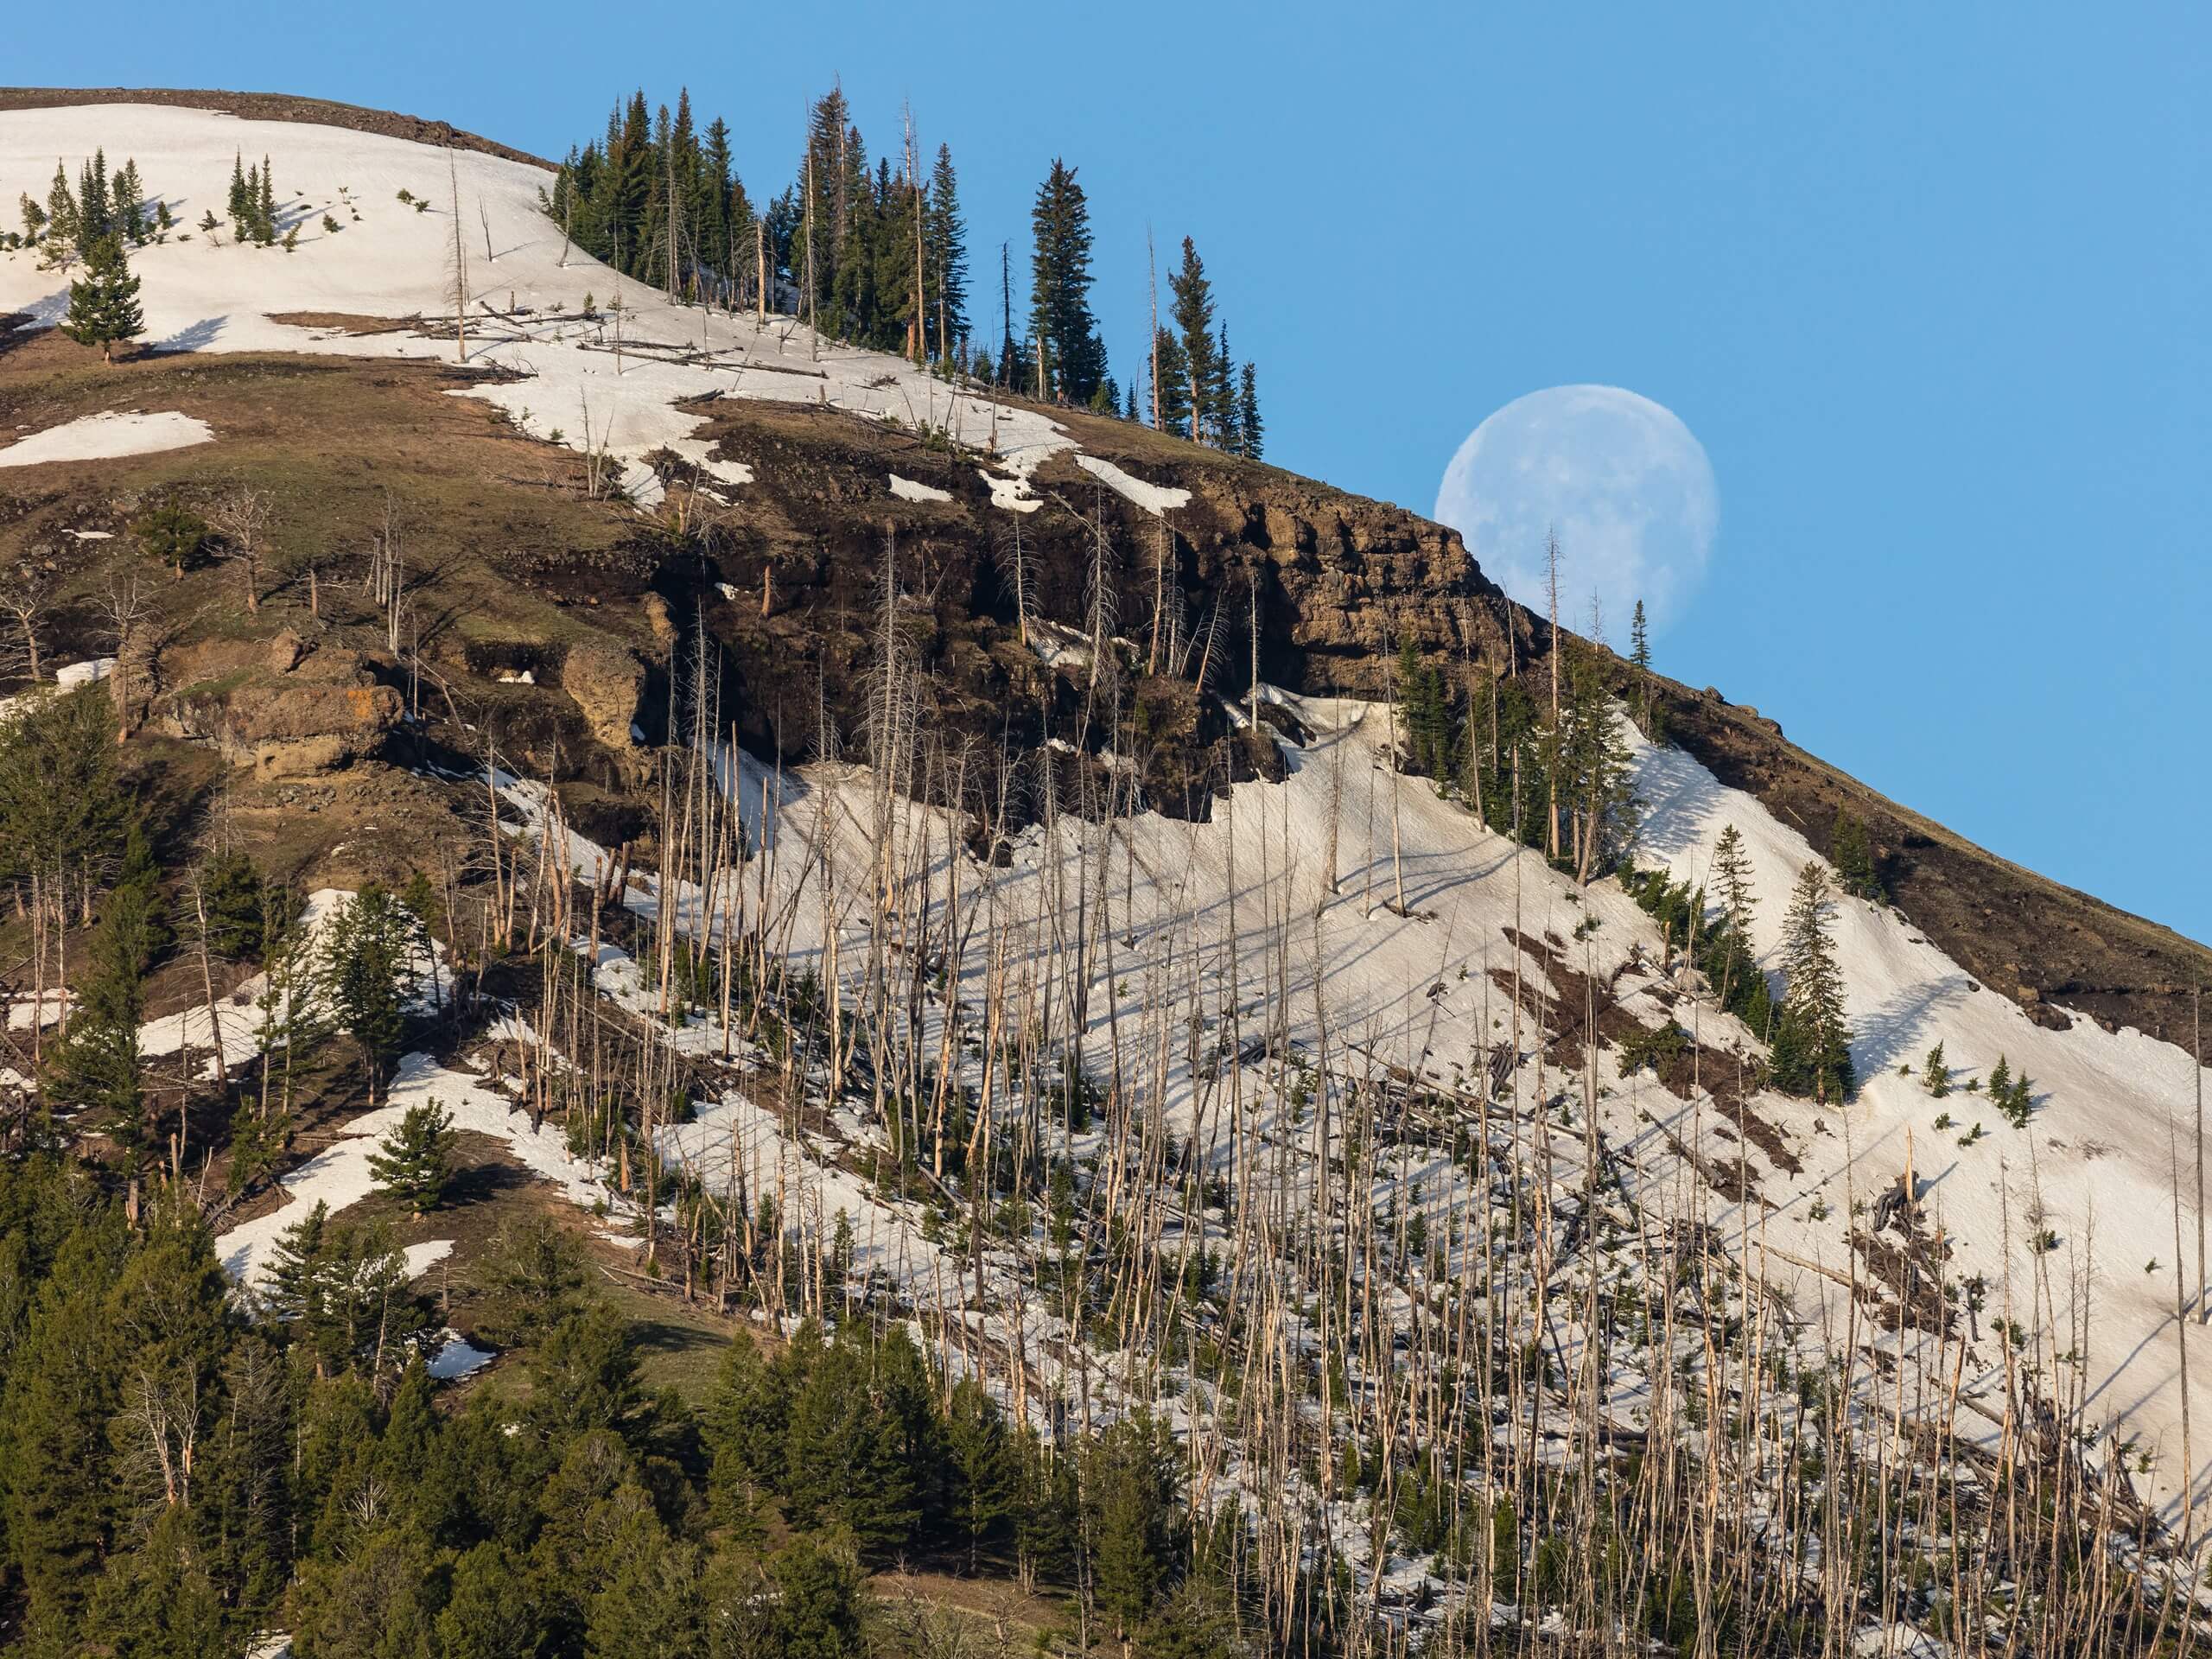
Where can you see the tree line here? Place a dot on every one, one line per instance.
(877, 253)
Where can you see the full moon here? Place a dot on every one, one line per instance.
(1618, 478)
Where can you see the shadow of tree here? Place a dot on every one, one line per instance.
(1888, 1035)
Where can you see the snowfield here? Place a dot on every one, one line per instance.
(597, 376)
(103, 436)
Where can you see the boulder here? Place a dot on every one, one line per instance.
(604, 682)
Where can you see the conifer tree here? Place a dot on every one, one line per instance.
(1812, 1044)
(1250, 431)
(240, 209)
(367, 952)
(103, 303)
(1059, 314)
(1224, 395)
(415, 1161)
(945, 244)
(1935, 1075)
(1129, 1502)
(1853, 858)
(1192, 311)
(130, 203)
(1174, 386)
(96, 213)
(65, 233)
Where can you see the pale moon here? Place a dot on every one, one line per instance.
(1621, 482)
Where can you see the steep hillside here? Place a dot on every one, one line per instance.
(890, 853)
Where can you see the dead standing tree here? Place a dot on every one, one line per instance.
(241, 515)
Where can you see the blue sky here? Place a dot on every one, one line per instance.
(1928, 283)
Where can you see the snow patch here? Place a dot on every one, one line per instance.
(106, 436)
(907, 490)
(1155, 498)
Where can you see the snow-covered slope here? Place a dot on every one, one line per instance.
(2059, 1221)
(529, 291)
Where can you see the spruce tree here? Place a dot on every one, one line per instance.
(1812, 1044)
(1059, 314)
(1191, 307)
(65, 233)
(1129, 1502)
(130, 203)
(1222, 395)
(1935, 1075)
(1250, 431)
(415, 1161)
(103, 303)
(95, 210)
(944, 241)
(1174, 386)
(1853, 857)
(368, 951)
(240, 209)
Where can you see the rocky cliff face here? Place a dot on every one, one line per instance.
(997, 609)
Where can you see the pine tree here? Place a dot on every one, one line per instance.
(1192, 311)
(1812, 1044)
(95, 210)
(240, 209)
(65, 233)
(1129, 1501)
(103, 303)
(415, 1161)
(1059, 314)
(1250, 431)
(984, 1464)
(1174, 386)
(98, 1067)
(1853, 858)
(130, 203)
(1935, 1076)
(945, 244)
(264, 204)
(1222, 395)
(368, 950)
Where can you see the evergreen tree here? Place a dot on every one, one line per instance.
(493, 1611)
(236, 903)
(1129, 1504)
(1198, 357)
(415, 1161)
(1222, 395)
(844, 1453)
(1059, 312)
(945, 241)
(984, 1466)
(61, 1391)
(1812, 1043)
(103, 303)
(96, 212)
(1935, 1076)
(130, 203)
(1853, 858)
(368, 950)
(1174, 385)
(174, 535)
(240, 209)
(98, 1068)
(1250, 430)
(65, 233)
(264, 204)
